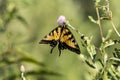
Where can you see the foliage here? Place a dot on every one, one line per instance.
(12, 56)
(107, 71)
(21, 57)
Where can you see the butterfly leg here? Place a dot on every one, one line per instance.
(53, 44)
(52, 50)
(61, 46)
(59, 52)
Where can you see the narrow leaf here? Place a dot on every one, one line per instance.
(92, 20)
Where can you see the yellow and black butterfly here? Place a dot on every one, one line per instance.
(62, 36)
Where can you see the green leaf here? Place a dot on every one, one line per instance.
(20, 18)
(92, 20)
(90, 64)
(113, 73)
(97, 2)
(90, 47)
(108, 43)
(108, 34)
(91, 50)
(26, 57)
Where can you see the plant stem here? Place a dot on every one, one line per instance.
(99, 23)
(73, 28)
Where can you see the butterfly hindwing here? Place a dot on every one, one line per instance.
(67, 41)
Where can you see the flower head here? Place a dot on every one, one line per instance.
(61, 20)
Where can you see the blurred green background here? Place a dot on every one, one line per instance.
(23, 23)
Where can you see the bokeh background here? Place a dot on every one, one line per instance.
(23, 23)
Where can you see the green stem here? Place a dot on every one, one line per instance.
(99, 23)
(115, 29)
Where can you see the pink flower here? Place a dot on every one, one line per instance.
(61, 20)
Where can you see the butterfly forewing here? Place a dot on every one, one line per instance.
(52, 36)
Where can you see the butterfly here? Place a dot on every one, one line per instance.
(62, 37)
